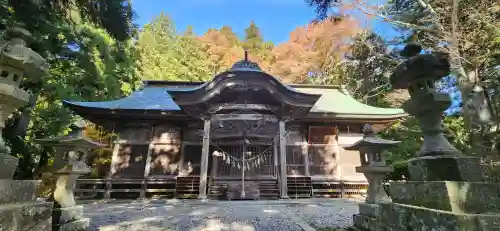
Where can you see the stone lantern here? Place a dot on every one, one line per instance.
(446, 189)
(374, 168)
(372, 164)
(17, 62)
(20, 209)
(438, 159)
(69, 164)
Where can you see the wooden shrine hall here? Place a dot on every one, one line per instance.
(242, 135)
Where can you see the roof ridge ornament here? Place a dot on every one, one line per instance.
(246, 64)
(368, 130)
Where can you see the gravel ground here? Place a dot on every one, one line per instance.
(193, 215)
(333, 213)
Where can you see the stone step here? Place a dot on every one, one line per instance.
(12, 191)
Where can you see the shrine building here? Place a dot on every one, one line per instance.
(241, 135)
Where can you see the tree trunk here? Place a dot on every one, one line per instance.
(22, 124)
(457, 69)
(474, 103)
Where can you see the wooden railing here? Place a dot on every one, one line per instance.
(124, 188)
(302, 160)
(165, 188)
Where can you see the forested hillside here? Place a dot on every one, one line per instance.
(166, 54)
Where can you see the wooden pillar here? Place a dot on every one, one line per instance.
(283, 175)
(180, 166)
(204, 160)
(147, 169)
(112, 168)
(275, 156)
(215, 164)
(306, 159)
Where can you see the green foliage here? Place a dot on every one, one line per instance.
(194, 64)
(164, 55)
(407, 131)
(99, 159)
(155, 47)
(254, 43)
(115, 16)
(86, 63)
(253, 40)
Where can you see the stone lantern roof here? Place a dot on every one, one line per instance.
(74, 139)
(370, 140)
(18, 60)
(419, 67)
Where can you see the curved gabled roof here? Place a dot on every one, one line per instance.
(148, 98)
(334, 101)
(243, 72)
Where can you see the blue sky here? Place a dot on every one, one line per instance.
(275, 18)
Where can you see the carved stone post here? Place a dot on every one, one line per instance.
(69, 164)
(373, 167)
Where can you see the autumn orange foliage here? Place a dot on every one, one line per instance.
(312, 47)
(309, 48)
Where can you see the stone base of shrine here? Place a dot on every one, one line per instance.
(397, 217)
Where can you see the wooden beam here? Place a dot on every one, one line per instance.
(244, 117)
(204, 160)
(226, 106)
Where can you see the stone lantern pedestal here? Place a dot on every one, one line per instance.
(374, 168)
(446, 190)
(69, 164)
(19, 209)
